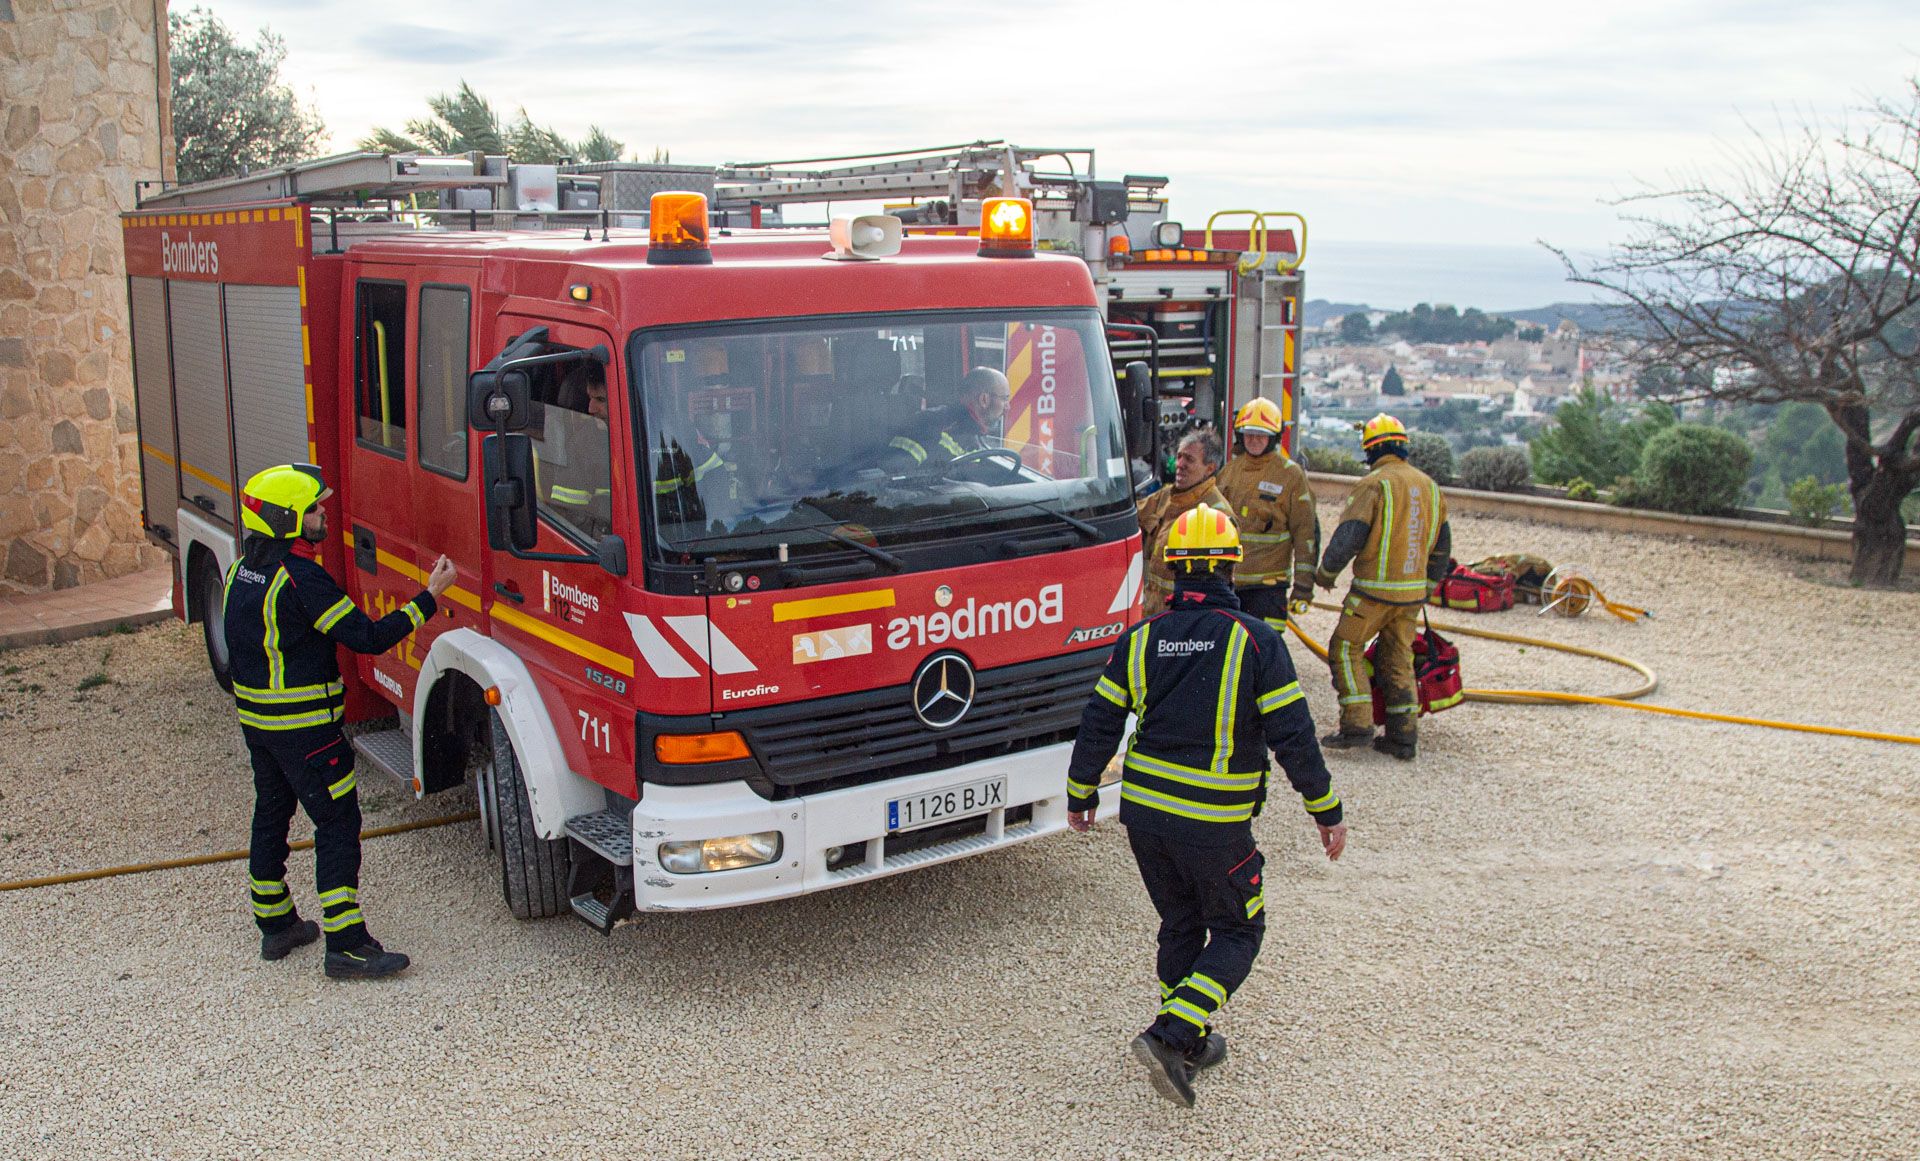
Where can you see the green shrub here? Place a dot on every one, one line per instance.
(1693, 469)
(1432, 454)
(1496, 469)
(1336, 460)
(1579, 489)
(1812, 502)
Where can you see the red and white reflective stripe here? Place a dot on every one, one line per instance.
(1129, 586)
(660, 656)
(707, 642)
(713, 646)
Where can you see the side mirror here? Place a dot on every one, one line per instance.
(506, 472)
(611, 552)
(1141, 408)
(499, 399)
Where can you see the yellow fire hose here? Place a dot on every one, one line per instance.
(1620, 700)
(222, 857)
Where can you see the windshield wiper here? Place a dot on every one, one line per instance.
(1078, 525)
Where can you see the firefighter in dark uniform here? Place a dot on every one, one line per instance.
(1213, 690)
(940, 436)
(284, 615)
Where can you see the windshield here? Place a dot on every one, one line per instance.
(885, 431)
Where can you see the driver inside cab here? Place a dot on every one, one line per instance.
(938, 437)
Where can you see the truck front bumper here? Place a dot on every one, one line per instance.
(843, 823)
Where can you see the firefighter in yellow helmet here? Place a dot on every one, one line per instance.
(1274, 510)
(1196, 467)
(1214, 691)
(1394, 531)
(284, 615)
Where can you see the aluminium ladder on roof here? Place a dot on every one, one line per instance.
(344, 179)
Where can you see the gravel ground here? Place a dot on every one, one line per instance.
(1564, 932)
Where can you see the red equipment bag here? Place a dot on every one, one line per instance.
(1473, 592)
(1436, 674)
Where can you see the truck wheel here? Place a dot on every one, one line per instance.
(533, 870)
(210, 592)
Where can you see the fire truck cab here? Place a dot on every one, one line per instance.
(760, 591)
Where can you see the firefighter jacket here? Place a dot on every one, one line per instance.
(1279, 530)
(1157, 514)
(1214, 690)
(283, 619)
(937, 437)
(1395, 532)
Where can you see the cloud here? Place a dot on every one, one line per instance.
(424, 45)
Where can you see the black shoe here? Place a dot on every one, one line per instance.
(280, 944)
(1211, 1050)
(1347, 739)
(1401, 748)
(1167, 1067)
(369, 961)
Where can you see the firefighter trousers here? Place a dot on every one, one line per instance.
(1212, 905)
(1267, 602)
(1363, 619)
(311, 770)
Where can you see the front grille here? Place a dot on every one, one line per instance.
(831, 744)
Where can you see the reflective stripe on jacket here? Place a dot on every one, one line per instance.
(1214, 690)
(1404, 512)
(1273, 508)
(282, 623)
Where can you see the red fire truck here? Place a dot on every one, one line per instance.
(712, 641)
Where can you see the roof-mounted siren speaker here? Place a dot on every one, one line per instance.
(863, 237)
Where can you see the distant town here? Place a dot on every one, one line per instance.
(1481, 380)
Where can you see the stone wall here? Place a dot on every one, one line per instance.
(82, 117)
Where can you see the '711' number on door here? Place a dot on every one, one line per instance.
(595, 732)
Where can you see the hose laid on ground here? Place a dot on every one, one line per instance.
(222, 857)
(1620, 701)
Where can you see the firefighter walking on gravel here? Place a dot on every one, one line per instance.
(284, 615)
(1273, 508)
(1213, 690)
(1395, 533)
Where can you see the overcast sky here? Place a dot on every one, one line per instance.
(1381, 120)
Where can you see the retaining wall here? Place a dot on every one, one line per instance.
(1814, 543)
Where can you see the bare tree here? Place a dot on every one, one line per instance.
(1796, 279)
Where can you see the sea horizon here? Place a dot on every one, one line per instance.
(1400, 275)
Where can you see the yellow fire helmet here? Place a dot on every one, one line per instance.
(1382, 428)
(1203, 533)
(276, 500)
(1260, 417)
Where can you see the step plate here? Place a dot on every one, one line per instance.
(391, 751)
(607, 833)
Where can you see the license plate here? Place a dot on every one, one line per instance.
(945, 805)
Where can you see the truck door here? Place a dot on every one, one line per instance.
(565, 619)
(385, 567)
(446, 489)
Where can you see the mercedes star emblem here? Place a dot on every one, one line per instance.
(943, 690)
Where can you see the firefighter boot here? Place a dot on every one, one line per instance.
(1211, 1050)
(1397, 743)
(1347, 739)
(1167, 1067)
(280, 944)
(369, 961)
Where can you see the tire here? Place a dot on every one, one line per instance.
(533, 870)
(211, 594)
